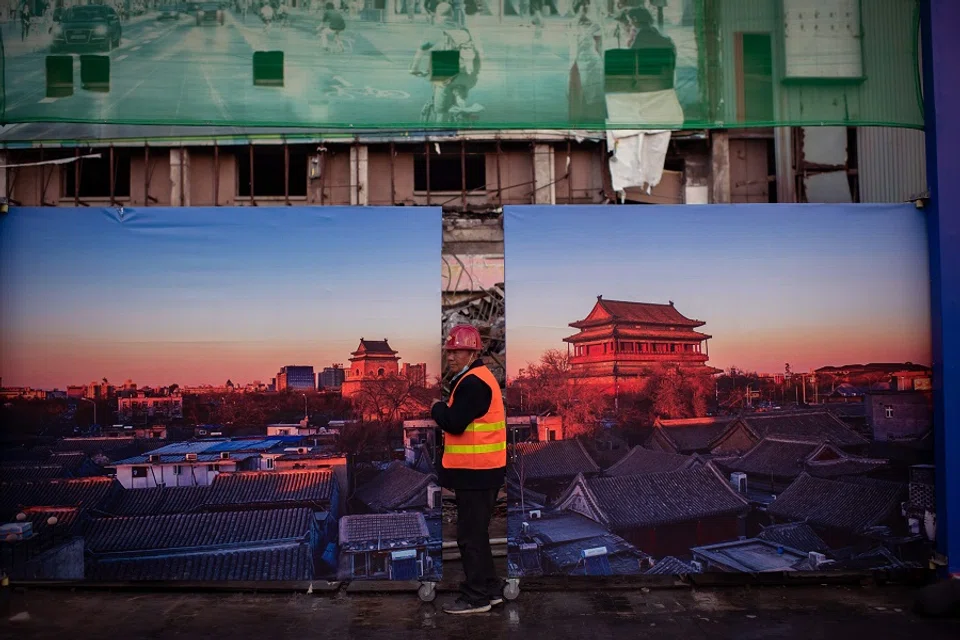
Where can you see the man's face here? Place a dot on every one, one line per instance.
(457, 360)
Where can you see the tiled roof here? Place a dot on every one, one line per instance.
(646, 313)
(640, 460)
(14, 472)
(282, 562)
(559, 459)
(68, 519)
(397, 487)
(788, 458)
(623, 557)
(174, 458)
(796, 535)
(670, 566)
(93, 445)
(656, 499)
(312, 487)
(834, 504)
(380, 347)
(693, 434)
(197, 530)
(158, 501)
(72, 460)
(819, 426)
(600, 333)
(563, 527)
(89, 493)
(532, 499)
(383, 531)
(753, 555)
(216, 446)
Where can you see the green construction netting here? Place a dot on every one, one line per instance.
(485, 64)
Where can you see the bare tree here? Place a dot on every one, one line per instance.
(387, 398)
(552, 385)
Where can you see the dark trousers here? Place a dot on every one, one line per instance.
(474, 511)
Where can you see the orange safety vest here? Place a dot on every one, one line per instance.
(484, 443)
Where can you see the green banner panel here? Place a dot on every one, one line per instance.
(464, 64)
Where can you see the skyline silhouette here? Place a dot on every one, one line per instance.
(201, 295)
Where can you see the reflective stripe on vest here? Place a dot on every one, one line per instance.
(483, 445)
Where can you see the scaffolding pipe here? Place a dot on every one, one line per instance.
(427, 146)
(183, 179)
(253, 199)
(146, 175)
(569, 173)
(286, 173)
(216, 174)
(113, 180)
(393, 185)
(76, 178)
(463, 172)
(499, 182)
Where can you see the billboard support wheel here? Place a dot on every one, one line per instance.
(511, 591)
(427, 591)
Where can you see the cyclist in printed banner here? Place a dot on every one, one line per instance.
(449, 101)
(332, 23)
(266, 14)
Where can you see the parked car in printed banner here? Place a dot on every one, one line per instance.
(209, 13)
(169, 12)
(87, 27)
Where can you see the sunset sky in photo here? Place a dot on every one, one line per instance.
(812, 285)
(196, 296)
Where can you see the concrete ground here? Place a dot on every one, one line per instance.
(766, 612)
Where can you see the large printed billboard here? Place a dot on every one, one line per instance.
(718, 389)
(219, 394)
(489, 64)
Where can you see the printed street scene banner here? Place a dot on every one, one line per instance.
(718, 389)
(197, 394)
(488, 64)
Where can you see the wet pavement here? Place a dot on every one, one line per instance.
(734, 612)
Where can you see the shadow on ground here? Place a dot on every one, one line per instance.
(736, 612)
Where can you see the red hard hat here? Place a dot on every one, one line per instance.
(463, 337)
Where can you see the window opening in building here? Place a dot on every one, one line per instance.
(269, 172)
(95, 176)
(447, 170)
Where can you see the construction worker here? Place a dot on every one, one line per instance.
(474, 462)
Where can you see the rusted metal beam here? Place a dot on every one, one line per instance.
(499, 181)
(286, 173)
(463, 172)
(183, 178)
(427, 147)
(323, 175)
(356, 165)
(146, 175)
(253, 199)
(113, 181)
(76, 177)
(393, 183)
(216, 174)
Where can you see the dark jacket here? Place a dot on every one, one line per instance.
(471, 401)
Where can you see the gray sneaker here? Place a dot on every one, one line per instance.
(461, 607)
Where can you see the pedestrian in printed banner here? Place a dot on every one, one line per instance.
(25, 21)
(449, 101)
(473, 464)
(332, 23)
(586, 93)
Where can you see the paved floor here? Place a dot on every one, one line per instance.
(769, 612)
(167, 72)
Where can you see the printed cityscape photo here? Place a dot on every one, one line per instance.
(219, 394)
(718, 389)
(391, 63)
